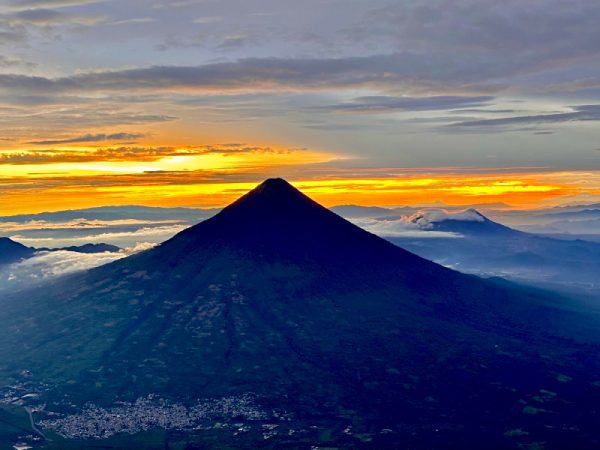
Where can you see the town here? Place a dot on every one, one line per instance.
(149, 413)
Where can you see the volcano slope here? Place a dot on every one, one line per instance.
(279, 298)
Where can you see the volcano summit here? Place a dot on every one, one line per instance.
(291, 327)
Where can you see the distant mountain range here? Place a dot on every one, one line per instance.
(566, 220)
(341, 339)
(11, 251)
(115, 213)
(489, 248)
(570, 221)
(123, 226)
(86, 248)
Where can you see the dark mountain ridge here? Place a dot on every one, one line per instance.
(11, 251)
(278, 297)
(87, 248)
(114, 213)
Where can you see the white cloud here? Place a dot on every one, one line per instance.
(119, 238)
(424, 218)
(78, 224)
(417, 225)
(133, 21)
(48, 265)
(400, 227)
(207, 19)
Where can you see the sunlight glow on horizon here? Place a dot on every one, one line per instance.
(516, 190)
(71, 177)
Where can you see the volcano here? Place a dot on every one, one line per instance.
(481, 246)
(279, 298)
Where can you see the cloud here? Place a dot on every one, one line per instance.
(134, 20)
(389, 72)
(79, 224)
(419, 224)
(533, 34)
(49, 17)
(425, 218)
(6, 61)
(175, 4)
(122, 239)
(105, 154)
(29, 4)
(582, 113)
(51, 264)
(146, 154)
(382, 104)
(400, 228)
(11, 33)
(207, 19)
(47, 265)
(92, 138)
(444, 47)
(74, 117)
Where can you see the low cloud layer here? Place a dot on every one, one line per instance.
(79, 224)
(154, 234)
(46, 266)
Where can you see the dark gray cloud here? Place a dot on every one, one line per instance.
(91, 138)
(390, 72)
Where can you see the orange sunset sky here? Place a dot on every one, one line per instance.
(195, 102)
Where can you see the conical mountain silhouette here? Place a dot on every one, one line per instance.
(277, 221)
(278, 297)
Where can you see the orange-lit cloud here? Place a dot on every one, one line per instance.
(131, 153)
(214, 188)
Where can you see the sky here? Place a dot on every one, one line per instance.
(193, 102)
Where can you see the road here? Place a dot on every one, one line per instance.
(34, 426)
